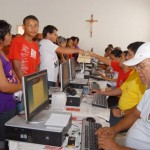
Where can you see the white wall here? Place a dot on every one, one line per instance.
(120, 22)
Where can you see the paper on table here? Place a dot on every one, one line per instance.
(59, 120)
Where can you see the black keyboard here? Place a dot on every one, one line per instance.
(96, 78)
(95, 86)
(88, 136)
(99, 100)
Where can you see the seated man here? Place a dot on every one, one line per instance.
(131, 92)
(138, 136)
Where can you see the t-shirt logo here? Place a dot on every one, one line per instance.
(33, 53)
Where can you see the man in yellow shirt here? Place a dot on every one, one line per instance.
(131, 91)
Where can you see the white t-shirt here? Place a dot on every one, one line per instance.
(138, 136)
(49, 59)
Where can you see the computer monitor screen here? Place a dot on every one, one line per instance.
(72, 70)
(64, 75)
(35, 92)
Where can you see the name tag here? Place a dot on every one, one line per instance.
(33, 53)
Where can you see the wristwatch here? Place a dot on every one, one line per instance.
(122, 113)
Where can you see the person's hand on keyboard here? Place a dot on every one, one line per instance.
(106, 131)
(97, 91)
(107, 143)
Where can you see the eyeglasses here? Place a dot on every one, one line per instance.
(138, 67)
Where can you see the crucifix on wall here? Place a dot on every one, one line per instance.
(91, 21)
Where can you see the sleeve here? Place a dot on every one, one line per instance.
(115, 66)
(15, 50)
(123, 86)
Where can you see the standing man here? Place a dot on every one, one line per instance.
(24, 52)
(48, 49)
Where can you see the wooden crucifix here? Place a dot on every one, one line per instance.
(91, 24)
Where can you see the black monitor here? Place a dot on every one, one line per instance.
(35, 92)
(72, 70)
(64, 75)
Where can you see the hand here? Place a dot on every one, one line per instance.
(116, 112)
(101, 74)
(107, 143)
(106, 131)
(97, 91)
(92, 54)
(82, 52)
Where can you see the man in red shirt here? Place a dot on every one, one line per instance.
(24, 52)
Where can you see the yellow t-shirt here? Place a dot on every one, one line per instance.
(132, 91)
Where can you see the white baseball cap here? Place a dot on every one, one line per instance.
(142, 53)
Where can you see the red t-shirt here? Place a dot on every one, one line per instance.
(122, 76)
(25, 52)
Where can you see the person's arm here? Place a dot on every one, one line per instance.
(128, 121)
(119, 113)
(101, 58)
(107, 78)
(124, 124)
(17, 69)
(114, 92)
(5, 86)
(65, 50)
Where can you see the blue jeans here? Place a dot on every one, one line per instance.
(114, 120)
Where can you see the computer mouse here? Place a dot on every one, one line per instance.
(91, 119)
(71, 91)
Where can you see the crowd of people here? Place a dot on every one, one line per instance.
(127, 71)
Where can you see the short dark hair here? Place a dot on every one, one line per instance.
(4, 29)
(29, 17)
(110, 45)
(75, 38)
(108, 49)
(134, 46)
(48, 29)
(116, 52)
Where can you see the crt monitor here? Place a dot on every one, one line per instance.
(35, 92)
(64, 75)
(72, 70)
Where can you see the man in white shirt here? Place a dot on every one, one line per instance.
(48, 56)
(138, 136)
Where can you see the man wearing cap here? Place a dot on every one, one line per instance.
(138, 136)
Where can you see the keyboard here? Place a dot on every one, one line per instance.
(88, 137)
(96, 78)
(99, 100)
(95, 86)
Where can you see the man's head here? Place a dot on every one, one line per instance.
(30, 26)
(62, 41)
(107, 52)
(50, 32)
(115, 54)
(75, 40)
(132, 48)
(5, 35)
(141, 61)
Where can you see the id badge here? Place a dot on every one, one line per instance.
(33, 53)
